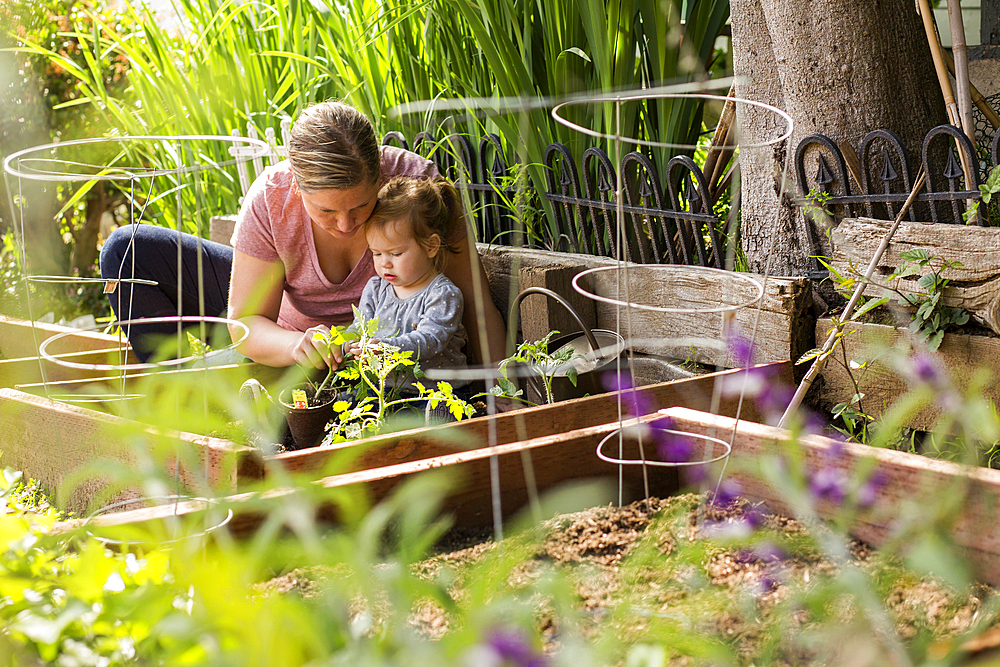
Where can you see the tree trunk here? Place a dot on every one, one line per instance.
(837, 67)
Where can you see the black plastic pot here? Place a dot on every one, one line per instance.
(307, 425)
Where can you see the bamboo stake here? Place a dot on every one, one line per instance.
(938, 55)
(961, 59)
(846, 316)
(977, 97)
(939, 66)
(718, 153)
(852, 162)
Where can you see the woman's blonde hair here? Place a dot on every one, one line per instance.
(429, 206)
(333, 146)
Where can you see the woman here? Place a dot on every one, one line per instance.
(299, 259)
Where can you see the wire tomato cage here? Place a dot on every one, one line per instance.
(170, 169)
(154, 179)
(613, 285)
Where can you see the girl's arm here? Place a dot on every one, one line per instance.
(462, 269)
(255, 299)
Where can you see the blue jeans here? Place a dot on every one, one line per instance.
(149, 252)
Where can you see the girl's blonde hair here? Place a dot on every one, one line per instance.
(332, 146)
(429, 206)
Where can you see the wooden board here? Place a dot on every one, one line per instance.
(554, 460)
(53, 442)
(962, 355)
(975, 286)
(908, 480)
(520, 425)
(784, 330)
(570, 457)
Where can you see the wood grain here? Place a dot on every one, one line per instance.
(975, 286)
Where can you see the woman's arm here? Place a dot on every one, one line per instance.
(467, 272)
(255, 299)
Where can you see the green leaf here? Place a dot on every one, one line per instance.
(870, 305)
(927, 281)
(914, 255)
(811, 354)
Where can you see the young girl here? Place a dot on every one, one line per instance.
(418, 308)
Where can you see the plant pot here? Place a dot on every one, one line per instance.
(307, 425)
(589, 368)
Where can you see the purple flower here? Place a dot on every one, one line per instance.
(670, 445)
(829, 483)
(868, 492)
(741, 349)
(636, 403)
(759, 383)
(926, 370)
(766, 584)
(511, 646)
(728, 493)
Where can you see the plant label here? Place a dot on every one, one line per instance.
(299, 399)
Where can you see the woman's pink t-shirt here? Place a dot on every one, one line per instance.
(273, 226)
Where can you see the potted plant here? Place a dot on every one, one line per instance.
(308, 406)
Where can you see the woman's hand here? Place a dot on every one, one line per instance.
(312, 350)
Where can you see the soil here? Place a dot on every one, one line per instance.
(653, 555)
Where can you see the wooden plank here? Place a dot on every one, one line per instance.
(220, 228)
(541, 421)
(21, 338)
(53, 441)
(975, 286)
(963, 356)
(556, 459)
(28, 370)
(908, 480)
(784, 331)
(49, 429)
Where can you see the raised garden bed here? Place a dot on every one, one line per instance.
(906, 480)
(49, 440)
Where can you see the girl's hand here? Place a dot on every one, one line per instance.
(311, 352)
(354, 348)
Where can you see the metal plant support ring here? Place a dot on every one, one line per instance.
(663, 464)
(674, 268)
(243, 150)
(178, 319)
(175, 499)
(654, 94)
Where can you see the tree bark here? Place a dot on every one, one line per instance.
(837, 67)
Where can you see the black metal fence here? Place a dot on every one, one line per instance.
(887, 175)
(672, 224)
(670, 218)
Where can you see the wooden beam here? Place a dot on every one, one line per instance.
(975, 285)
(963, 355)
(53, 442)
(909, 481)
(784, 330)
(517, 426)
(556, 460)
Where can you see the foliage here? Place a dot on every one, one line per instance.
(65, 301)
(932, 317)
(986, 192)
(376, 55)
(336, 336)
(547, 365)
(817, 208)
(803, 592)
(375, 378)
